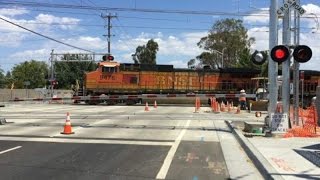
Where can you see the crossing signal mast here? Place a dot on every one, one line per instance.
(281, 54)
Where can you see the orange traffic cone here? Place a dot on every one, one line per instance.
(146, 108)
(155, 104)
(67, 127)
(238, 110)
(222, 107)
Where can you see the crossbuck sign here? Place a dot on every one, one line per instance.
(291, 4)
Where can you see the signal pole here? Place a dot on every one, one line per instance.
(273, 66)
(109, 17)
(296, 66)
(286, 40)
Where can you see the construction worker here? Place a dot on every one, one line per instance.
(243, 99)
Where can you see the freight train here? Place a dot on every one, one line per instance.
(113, 78)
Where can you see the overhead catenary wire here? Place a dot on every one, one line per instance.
(45, 36)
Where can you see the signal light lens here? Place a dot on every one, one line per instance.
(107, 57)
(110, 58)
(302, 54)
(258, 58)
(279, 53)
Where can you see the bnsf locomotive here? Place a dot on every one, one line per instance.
(112, 78)
(115, 78)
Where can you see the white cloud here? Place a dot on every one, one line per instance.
(87, 42)
(29, 54)
(183, 47)
(261, 36)
(178, 63)
(261, 16)
(70, 23)
(13, 11)
(11, 39)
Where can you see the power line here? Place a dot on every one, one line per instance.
(70, 6)
(45, 36)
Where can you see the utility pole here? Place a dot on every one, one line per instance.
(109, 17)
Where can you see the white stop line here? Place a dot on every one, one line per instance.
(11, 149)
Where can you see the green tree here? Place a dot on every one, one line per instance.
(191, 63)
(2, 79)
(9, 79)
(228, 38)
(33, 71)
(146, 54)
(71, 68)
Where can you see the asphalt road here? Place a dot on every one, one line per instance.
(118, 142)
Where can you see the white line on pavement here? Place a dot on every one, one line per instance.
(11, 149)
(87, 141)
(167, 162)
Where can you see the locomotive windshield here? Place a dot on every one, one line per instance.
(109, 69)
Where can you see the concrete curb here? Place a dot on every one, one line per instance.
(264, 167)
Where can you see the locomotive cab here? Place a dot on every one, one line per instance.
(109, 67)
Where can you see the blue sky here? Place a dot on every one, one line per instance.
(176, 33)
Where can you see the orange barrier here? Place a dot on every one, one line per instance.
(309, 124)
(67, 127)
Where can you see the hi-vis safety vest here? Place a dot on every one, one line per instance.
(242, 97)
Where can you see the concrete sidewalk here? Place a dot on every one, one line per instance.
(282, 158)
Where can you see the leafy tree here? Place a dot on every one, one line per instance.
(146, 54)
(33, 71)
(227, 38)
(2, 79)
(71, 68)
(9, 79)
(191, 63)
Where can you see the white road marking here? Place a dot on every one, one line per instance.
(87, 141)
(167, 162)
(11, 149)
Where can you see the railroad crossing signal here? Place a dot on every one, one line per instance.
(259, 57)
(302, 54)
(281, 53)
(107, 57)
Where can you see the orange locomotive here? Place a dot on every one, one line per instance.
(114, 78)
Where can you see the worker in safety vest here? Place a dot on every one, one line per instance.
(243, 99)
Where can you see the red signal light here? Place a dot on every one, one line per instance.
(279, 53)
(110, 58)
